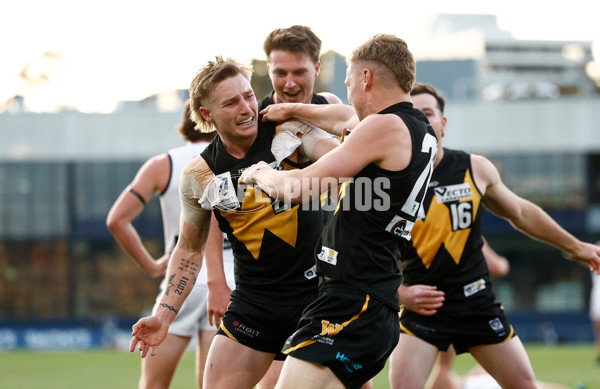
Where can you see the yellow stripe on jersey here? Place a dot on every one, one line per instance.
(256, 216)
(341, 195)
(429, 234)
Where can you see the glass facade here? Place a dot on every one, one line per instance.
(57, 258)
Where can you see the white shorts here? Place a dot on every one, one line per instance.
(595, 298)
(192, 317)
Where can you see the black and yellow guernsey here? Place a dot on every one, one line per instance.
(273, 244)
(371, 225)
(446, 243)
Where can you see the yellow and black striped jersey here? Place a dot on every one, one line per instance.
(273, 242)
(446, 240)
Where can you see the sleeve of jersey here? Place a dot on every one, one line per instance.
(194, 179)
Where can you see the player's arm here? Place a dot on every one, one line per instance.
(219, 293)
(150, 180)
(184, 265)
(527, 217)
(333, 118)
(185, 261)
(380, 139)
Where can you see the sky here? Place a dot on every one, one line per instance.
(117, 50)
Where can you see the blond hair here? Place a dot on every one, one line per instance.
(389, 54)
(204, 83)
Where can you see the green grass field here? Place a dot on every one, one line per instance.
(566, 364)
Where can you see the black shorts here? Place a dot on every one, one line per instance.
(475, 326)
(347, 331)
(260, 326)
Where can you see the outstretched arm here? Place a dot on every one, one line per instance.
(527, 217)
(380, 139)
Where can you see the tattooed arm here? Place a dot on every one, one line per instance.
(184, 265)
(182, 272)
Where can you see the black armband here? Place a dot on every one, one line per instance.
(138, 195)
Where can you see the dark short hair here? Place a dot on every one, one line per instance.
(421, 88)
(297, 39)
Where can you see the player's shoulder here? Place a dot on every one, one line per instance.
(197, 165)
(156, 165)
(383, 124)
(158, 159)
(481, 162)
(195, 177)
(484, 171)
(330, 97)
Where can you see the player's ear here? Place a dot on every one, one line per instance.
(317, 68)
(444, 122)
(367, 78)
(205, 112)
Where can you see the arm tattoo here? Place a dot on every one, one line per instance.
(169, 285)
(189, 267)
(170, 308)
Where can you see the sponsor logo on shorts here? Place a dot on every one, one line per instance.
(421, 327)
(244, 329)
(450, 193)
(328, 255)
(311, 273)
(496, 325)
(350, 365)
(399, 226)
(323, 339)
(474, 287)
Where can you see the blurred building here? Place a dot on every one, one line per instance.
(530, 106)
(469, 57)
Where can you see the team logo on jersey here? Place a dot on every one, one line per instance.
(328, 255)
(311, 273)
(496, 325)
(474, 287)
(400, 226)
(330, 329)
(451, 193)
